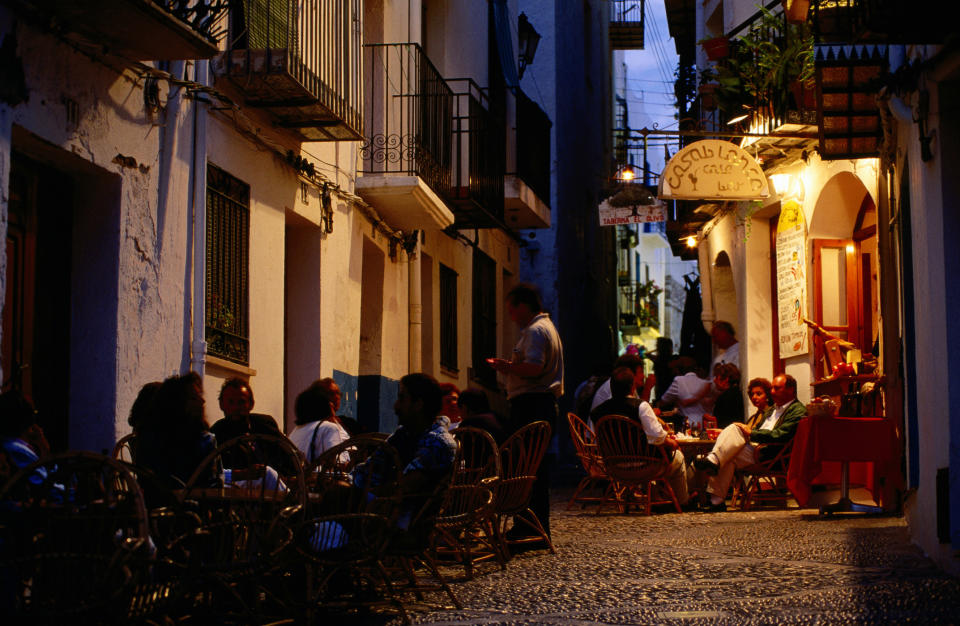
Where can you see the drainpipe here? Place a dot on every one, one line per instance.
(707, 314)
(198, 201)
(416, 307)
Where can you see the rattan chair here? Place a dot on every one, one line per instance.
(352, 507)
(245, 527)
(764, 482)
(73, 541)
(585, 444)
(633, 463)
(480, 456)
(520, 458)
(123, 450)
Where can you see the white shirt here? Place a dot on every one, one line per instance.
(771, 421)
(539, 343)
(684, 388)
(329, 434)
(656, 433)
(730, 355)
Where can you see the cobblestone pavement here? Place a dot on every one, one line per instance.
(783, 567)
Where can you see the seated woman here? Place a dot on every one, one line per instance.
(759, 392)
(174, 438)
(317, 429)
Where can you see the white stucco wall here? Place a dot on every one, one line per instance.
(929, 279)
(142, 238)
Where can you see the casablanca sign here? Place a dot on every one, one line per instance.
(712, 169)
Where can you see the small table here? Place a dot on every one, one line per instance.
(846, 440)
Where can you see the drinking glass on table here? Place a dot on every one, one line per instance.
(695, 429)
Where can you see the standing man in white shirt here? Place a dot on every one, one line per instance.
(725, 338)
(534, 382)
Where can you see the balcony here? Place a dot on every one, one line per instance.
(639, 308)
(299, 62)
(527, 191)
(408, 148)
(626, 24)
(141, 30)
(479, 158)
(880, 21)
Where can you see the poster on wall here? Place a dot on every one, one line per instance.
(792, 280)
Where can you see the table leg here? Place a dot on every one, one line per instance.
(845, 504)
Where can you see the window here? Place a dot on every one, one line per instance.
(228, 255)
(448, 318)
(484, 317)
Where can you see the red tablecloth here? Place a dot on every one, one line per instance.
(821, 443)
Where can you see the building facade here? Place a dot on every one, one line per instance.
(850, 156)
(276, 191)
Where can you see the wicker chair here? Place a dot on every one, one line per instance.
(73, 539)
(245, 528)
(342, 540)
(585, 443)
(520, 457)
(463, 528)
(124, 448)
(764, 482)
(633, 463)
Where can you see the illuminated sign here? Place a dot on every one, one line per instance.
(712, 169)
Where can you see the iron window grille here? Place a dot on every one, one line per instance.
(448, 318)
(228, 257)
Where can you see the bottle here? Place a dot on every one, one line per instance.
(850, 403)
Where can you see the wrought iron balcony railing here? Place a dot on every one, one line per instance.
(881, 21)
(479, 157)
(626, 24)
(409, 112)
(301, 62)
(143, 30)
(533, 146)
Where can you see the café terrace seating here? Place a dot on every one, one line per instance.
(596, 477)
(764, 482)
(634, 464)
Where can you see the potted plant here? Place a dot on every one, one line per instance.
(716, 47)
(796, 10)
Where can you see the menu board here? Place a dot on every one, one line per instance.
(792, 280)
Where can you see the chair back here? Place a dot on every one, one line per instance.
(480, 457)
(247, 521)
(626, 454)
(73, 535)
(124, 448)
(585, 444)
(359, 475)
(520, 457)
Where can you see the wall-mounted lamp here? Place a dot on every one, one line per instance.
(692, 241)
(788, 185)
(326, 204)
(527, 41)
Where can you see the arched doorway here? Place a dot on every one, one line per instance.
(843, 231)
(723, 289)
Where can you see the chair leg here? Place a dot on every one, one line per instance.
(580, 487)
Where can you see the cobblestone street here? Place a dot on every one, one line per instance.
(786, 566)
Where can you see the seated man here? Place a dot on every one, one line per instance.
(236, 402)
(622, 385)
(737, 444)
(642, 385)
(425, 448)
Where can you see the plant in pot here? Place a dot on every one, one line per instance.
(716, 47)
(764, 64)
